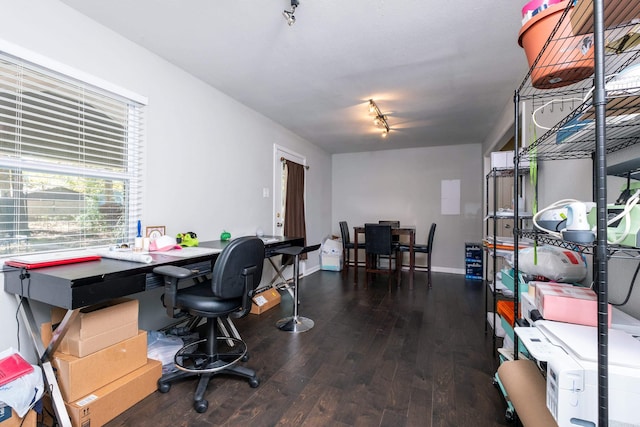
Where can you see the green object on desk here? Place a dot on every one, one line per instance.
(225, 236)
(187, 239)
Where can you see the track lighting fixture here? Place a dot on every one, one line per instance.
(288, 14)
(379, 119)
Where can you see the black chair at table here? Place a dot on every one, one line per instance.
(422, 248)
(236, 274)
(348, 246)
(379, 243)
(395, 239)
(393, 224)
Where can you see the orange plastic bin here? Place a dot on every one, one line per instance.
(566, 60)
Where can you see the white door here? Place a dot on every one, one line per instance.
(279, 185)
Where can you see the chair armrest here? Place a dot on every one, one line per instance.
(173, 271)
(249, 291)
(171, 276)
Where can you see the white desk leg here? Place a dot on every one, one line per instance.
(49, 377)
(279, 271)
(228, 329)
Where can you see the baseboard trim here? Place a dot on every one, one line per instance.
(437, 269)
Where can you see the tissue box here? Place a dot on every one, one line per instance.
(568, 303)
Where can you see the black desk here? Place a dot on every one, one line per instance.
(74, 286)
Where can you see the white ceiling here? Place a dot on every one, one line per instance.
(442, 71)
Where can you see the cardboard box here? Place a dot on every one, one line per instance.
(79, 376)
(568, 303)
(265, 300)
(106, 403)
(99, 326)
(9, 418)
(331, 262)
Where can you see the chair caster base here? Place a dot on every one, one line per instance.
(294, 324)
(200, 406)
(163, 387)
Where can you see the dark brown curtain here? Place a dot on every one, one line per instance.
(294, 223)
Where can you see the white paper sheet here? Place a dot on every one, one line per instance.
(450, 197)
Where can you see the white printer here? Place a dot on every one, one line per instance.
(571, 353)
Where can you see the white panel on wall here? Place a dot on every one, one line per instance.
(450, 197)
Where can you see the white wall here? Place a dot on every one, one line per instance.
(405, 185)
(208, 157)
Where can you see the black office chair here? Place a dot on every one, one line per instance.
(422, 248)
(347, 246)
(379, 243)
(236, 274)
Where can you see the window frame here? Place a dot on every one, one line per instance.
(129, 177)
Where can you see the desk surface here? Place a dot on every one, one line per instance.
(73, 286)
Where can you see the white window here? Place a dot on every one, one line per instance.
(70, 161)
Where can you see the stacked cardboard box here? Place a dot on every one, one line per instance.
(9, 418)
(101, 365)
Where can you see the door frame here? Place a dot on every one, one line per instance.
(278, 153)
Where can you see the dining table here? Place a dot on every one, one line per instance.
(403, 230)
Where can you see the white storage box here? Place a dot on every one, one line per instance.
(331, 262)
(504, 160)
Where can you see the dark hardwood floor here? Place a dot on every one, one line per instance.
(407, 358)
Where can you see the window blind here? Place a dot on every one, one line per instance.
(70, 161)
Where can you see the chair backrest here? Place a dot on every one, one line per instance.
(239, 256)
(432, 233)
(389, 222)
(344, 232)
(378, 239)
(395, 224)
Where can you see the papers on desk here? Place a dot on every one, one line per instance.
(191, 252)
(127, 255)
(147, 258)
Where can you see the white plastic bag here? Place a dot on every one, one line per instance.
(23, 392)
(331, 246)
(560, 265)
(163, 347)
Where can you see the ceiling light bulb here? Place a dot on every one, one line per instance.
(288, 15)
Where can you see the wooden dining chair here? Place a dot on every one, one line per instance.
(392, 223)
(423, 248)
(347, 246)
(378, 242)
